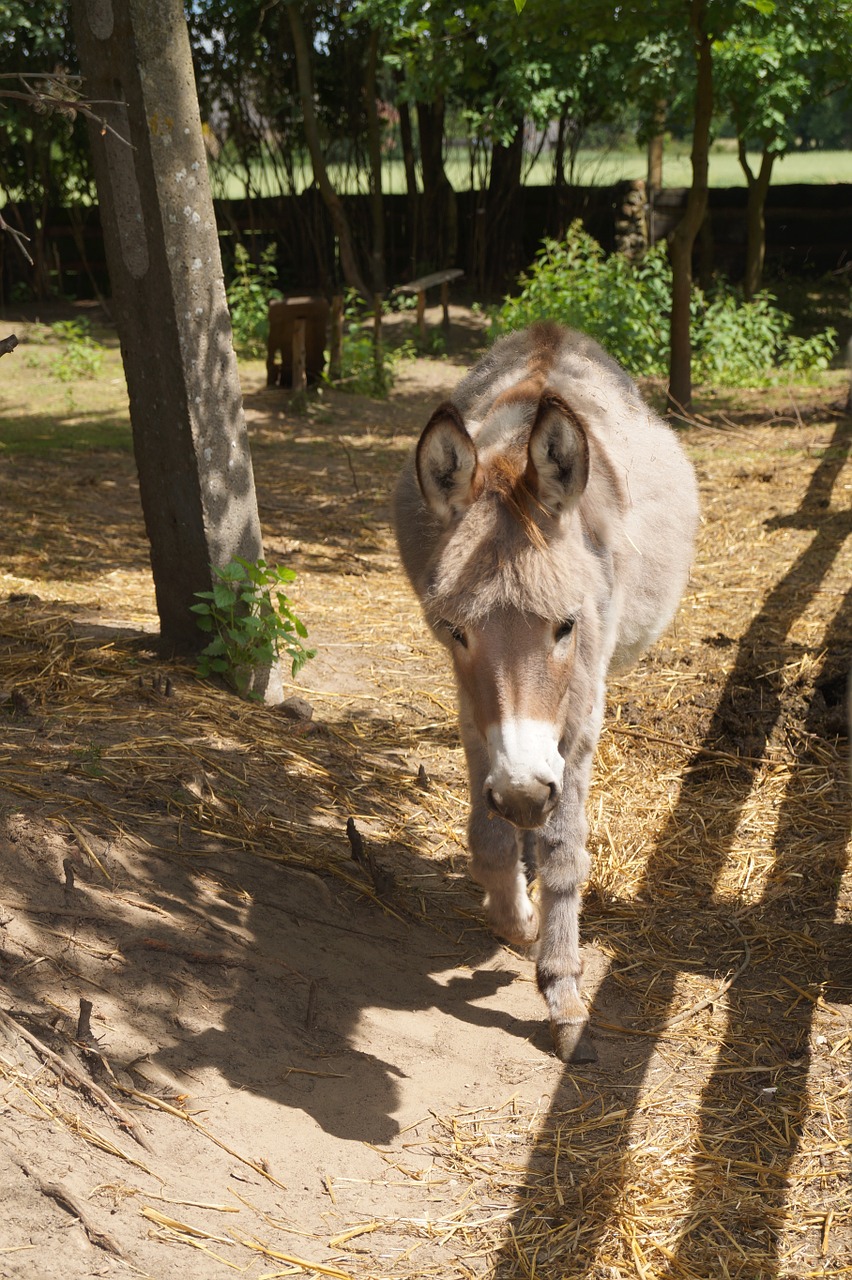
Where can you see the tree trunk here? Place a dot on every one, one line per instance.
(412, 200)
(374, 140)
(304, 73)
(439, 214)
(755, 218)
(189, 434)
(655, 164)
(504, 188)
(679, 399)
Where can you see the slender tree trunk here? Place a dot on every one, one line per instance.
(407, 140)
(439, 230)
(758, 186)
(374, 140)
(681, 244)
(304, 73)
(655, 164)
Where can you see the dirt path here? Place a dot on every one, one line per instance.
(309, 1066)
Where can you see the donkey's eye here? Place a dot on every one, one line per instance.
(564, 629)
(457, 633)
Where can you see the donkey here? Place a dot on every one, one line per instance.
(546, 521)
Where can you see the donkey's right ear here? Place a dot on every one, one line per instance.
(447, 466)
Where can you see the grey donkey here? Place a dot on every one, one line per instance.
(546, 521)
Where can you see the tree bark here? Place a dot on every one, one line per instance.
(679, 398)
(655, 164)
(758, 186)
(504, 188)
(374, 141)
(439, 213)
(348, 261)
(189, 435)
(412, 201)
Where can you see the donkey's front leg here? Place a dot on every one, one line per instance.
(563, 869)
(497, 862)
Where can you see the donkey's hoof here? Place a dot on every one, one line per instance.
(519, 933)
(572, 1042)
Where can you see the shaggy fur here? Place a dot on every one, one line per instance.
(546, 522)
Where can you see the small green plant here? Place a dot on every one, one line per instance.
(362, 372)
(251, 621)
(627, 306)
(250, 292)
(80, 355)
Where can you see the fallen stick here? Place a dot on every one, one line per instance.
(56, 1191)
(62, 1068)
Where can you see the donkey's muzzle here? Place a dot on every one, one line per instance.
(526, 806)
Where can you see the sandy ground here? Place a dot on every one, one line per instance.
(302, 1065)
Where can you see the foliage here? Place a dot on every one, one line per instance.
(621, 305)
(361, 371)
(252, 288)
(252, 623)
(626, 308)
(80, 355)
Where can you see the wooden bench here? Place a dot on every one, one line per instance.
(420, 286)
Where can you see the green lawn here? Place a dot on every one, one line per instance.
(594, 168)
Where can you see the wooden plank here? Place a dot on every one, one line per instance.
(427, 282)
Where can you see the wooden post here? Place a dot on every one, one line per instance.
(377, 339)
(300, 374)
(445, 303)
(335, 361)
(421, 315)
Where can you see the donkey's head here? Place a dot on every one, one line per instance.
(513, 586)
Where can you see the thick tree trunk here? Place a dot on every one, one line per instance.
(439, 214)
(374, 137)
(758, 186)
(679, 399)
(304, 73)
(504, 189)
(189, 435)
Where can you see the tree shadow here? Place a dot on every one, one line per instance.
(788, 935)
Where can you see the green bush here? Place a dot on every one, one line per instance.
(251, 621)
(361, 372)
(80, 356)
(626, 307)
(249, 294)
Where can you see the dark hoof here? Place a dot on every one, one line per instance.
(572, 1042)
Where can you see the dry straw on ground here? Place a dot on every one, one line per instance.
(712, 1138)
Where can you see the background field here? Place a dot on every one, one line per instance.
(594, 168)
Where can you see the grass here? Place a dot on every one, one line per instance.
(45, 405)
(593, 168)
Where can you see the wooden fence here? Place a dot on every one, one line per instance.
(808, 230)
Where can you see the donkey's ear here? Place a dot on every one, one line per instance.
(558, 455)
(446, 464)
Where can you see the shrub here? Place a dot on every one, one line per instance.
(249, 294)
(80, 356)
(251, 621)
(627, 307)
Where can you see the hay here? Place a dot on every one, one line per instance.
(713, 1138)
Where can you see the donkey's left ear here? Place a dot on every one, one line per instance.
(558, 455)
(447, 464)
